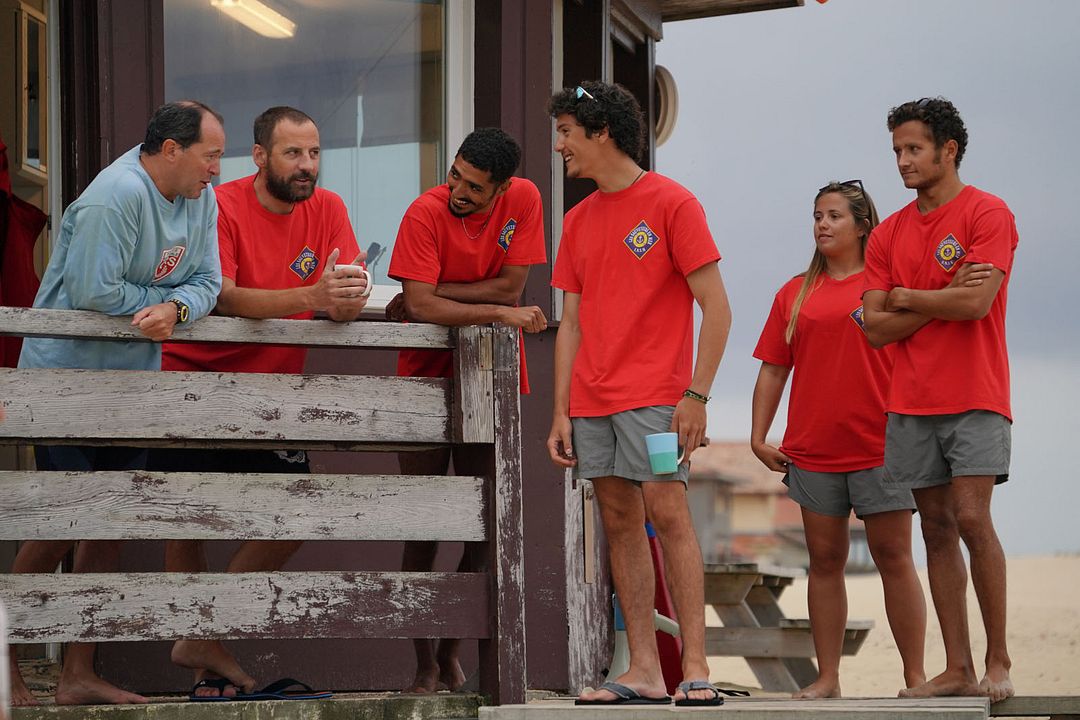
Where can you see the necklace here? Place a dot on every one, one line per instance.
(482, 227)
(638, 177)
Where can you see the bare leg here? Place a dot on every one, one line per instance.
(666, 507)
(972, 502)
(79, 684)
(889, 536)
(948, 587)
(622, 511)
(420, 557)
(827, 539)
(34, 556)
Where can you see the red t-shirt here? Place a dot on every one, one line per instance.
(836, 411)
(947, 367)
(432, 247)
(264, 250)
(627, 254)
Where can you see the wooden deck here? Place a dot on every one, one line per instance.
(756, 709)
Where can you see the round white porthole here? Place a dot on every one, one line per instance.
(667, 104)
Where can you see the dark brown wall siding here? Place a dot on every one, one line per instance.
(513, 83)
(112, 63)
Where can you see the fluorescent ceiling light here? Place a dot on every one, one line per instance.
(258, 17)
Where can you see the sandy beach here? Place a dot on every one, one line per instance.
(1043, 628)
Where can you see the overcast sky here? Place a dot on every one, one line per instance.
(772, 105)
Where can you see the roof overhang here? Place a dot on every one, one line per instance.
(672, 10)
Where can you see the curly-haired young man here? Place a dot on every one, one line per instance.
(936, 285)
(634, 257)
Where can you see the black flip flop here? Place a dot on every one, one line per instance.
(282, 690)
(688, 686)
(218, 683)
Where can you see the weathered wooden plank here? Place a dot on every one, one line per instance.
(31, 322)
(773, 675)
(473, 399)
(502, 671)
(763, 603)
(729, 588)
(769, 642)
(221, 506)
(273, 410)
(1053, 706)
(588, 600)
(162, 606)
(756, 709)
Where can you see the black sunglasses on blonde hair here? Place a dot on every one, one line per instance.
(850, 183)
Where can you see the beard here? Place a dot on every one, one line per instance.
(283, 189)
(456, 211)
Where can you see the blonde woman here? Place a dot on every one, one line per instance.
(833, 449)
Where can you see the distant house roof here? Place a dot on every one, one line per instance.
(734, 463)
(671, 10)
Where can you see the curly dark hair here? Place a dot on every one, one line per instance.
(604, 106)
(939, 115)
(492, 150)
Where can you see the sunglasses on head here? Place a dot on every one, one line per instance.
(850, 183)
(581, 92)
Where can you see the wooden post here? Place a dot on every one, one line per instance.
(502, 655)
(473, 419)
(588, 590)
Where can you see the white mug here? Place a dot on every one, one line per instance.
(363, 273)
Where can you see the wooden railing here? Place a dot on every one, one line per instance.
(480, 405)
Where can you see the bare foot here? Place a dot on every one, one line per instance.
(996, 684)
(818, 690)
(211, 656)
(451, 675)
(948, 683)
(425, 682)
(642, 686)
(20, 694)
(92, 690)
(216, 686)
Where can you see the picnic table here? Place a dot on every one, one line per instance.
(777, 648)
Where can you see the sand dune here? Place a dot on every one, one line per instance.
(1043, 630)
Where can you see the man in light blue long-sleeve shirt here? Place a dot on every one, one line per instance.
(141, 240)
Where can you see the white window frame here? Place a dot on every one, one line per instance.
(458, 109)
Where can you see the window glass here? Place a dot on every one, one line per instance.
(370, 72)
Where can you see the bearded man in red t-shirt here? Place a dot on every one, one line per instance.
(280, 238)
(949, 420)
(634, 258)
(462, 254)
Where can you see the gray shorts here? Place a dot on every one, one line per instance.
(838, 493)
(614, 445)
(924, 451)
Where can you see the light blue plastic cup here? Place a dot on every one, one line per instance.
(664, 452)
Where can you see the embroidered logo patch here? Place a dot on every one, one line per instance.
(949, 253)
(170, 258)
(857, 316)
(641, 239)
(305, 263)
(506, 235)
